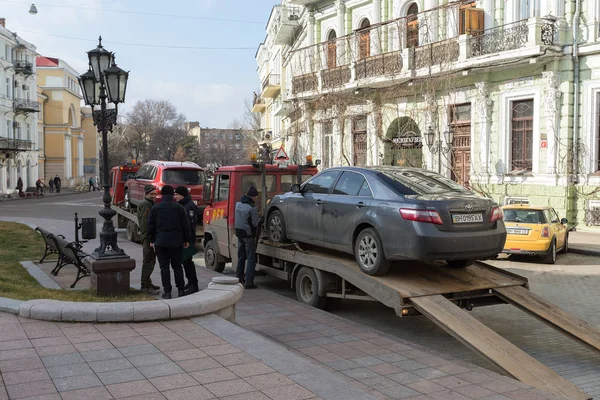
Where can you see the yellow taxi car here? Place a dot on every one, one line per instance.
(535, 231)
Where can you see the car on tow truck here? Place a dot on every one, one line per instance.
(535, 231)
(381, 214)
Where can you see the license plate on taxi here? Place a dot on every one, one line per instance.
(517, 231)
(467, 218)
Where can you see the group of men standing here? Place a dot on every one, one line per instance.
(168, 232)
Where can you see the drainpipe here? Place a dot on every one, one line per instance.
(576, 91)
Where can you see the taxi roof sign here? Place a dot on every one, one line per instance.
(281, 155)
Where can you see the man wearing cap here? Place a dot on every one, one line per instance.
(247, 221)
(182, 196)
(149, 257)
(169, 233)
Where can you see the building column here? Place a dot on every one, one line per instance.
(310, 29)
(376, 12)
(81, 156)
(483, 104)
(432, 20)
(488, 6)
(341, 31)
(3, 167)
(552, 96)
(68, 158)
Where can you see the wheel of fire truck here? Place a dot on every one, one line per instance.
(307, 288)
(132, 232)
(211, 258)
(276, 227)
(126, 202)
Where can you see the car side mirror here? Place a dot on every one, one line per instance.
(564, 221)
(206, 193)
(295, 188)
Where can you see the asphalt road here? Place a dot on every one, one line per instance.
(572, 283)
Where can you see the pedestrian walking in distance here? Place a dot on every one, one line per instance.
(57, 183)
(91, 183)
(148, 254)
(247, 221)
(169, 234)
(51, 185)
(182, 196)
(20, 187)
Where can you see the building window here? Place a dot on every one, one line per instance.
(331, 50)
(521, 135)
(412, 28)
(8, 88)
(29, 132)
(327, 144)
(364, 39)
(9, 129)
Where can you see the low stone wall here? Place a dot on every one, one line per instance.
(218, 298)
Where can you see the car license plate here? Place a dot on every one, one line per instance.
(466, 218)
(513, 231)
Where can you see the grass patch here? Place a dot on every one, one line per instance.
(20, 243)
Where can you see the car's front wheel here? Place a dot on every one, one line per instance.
(368, 251)
(276, 226)
(459, 263)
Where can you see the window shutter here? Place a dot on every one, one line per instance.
(474, 21)
(331, 54)
(364, 44)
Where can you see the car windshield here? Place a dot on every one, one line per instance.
(419, 182)
(525, 216)
(127, 175)
(183, 176)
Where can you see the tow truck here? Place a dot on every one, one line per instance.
(322, 278)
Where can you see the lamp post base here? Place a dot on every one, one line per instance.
(110, 276)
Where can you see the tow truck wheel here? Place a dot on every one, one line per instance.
(277, 227)
(126, 202)
(307, 288)
(368, 251)
(211, 258)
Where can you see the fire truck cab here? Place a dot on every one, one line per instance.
(118, 176)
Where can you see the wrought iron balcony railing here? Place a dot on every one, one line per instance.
(382, 64)
(271, 80)
(304, 83)
(502, 38)
(25, 105)
(437, 53)
(9, 144)
(23, 67)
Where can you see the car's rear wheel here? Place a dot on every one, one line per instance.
(550, 258)
(277, 232)
(368, 251)
(459, 263)
(565, 248)
(127, 200)
(307, 288)
(211, 258)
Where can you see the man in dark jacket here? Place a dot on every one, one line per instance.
(169, 234)
(57, 183)
(182, 196)
(149, 256)
(247, 221)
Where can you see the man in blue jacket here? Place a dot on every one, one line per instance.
(169, 234)
(247, 221)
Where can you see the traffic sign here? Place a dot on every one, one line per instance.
(281, 155)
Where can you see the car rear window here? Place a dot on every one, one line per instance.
(419, 182)
(183, 176)
(525, 216)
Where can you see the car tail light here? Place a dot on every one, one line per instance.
(497, 214)
(431, 217)
(546, 232)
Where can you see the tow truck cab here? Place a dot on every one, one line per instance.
(228, 186)
(118, 176)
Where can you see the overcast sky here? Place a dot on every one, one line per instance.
(206, 85)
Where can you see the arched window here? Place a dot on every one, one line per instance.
(412, 26)
(364, 39)
(331, 50)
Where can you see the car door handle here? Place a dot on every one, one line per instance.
(360, 204)
(319, 202)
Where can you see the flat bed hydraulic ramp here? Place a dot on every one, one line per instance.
(440, 293)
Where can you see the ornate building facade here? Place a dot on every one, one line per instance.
(495, 95)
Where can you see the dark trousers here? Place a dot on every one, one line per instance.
(51, 189)
(246, 252)
(170, 257)
(190, 271)
(148, 263)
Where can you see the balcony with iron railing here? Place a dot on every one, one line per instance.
(23, 67)
(26, 106)
(271, 86)
(381, 54)
(14, 145)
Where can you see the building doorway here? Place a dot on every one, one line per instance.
(403, 145)
(460, 123)
(359, 134)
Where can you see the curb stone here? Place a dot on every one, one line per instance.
(587, 252)
(10, 305)
(40, 275)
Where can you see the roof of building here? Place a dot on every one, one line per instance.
(47, 62)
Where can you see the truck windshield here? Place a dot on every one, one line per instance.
(126, 175)
(183, 176)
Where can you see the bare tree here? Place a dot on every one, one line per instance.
(165, 142)
(251, 119)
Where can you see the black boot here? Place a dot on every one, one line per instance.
(167, 296)
(191, 289)
(181, 292)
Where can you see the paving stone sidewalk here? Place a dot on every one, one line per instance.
(585, 242)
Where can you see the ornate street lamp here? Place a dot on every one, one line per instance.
(437, 146)
(108, 262)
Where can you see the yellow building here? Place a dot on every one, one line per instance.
(70, 139)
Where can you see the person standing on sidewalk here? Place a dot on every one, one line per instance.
(169, 234)
(149, 256)
(51, 185)
(247, 221)
(182, 196)
(91, 183)
(57, 183)
(20, 186)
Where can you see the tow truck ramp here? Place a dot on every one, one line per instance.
(440, 293)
